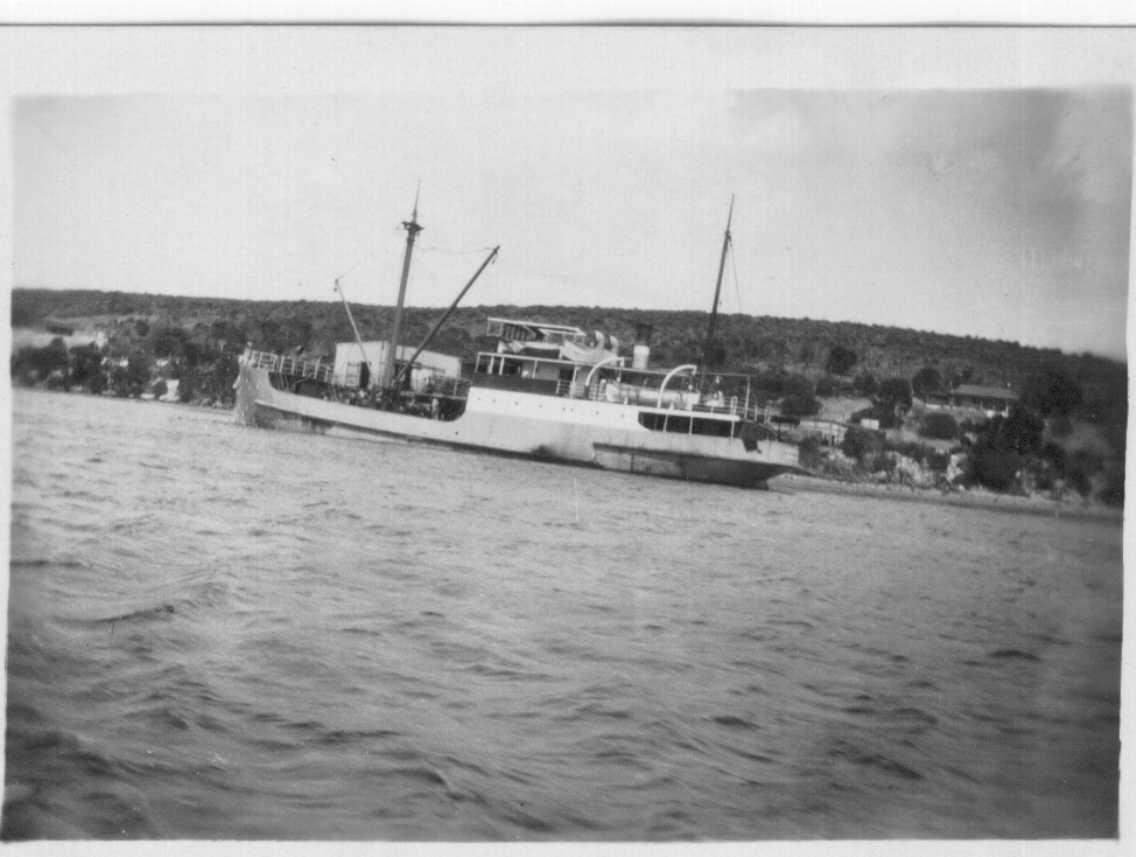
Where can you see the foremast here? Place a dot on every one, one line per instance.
(406, 367)
(412, 228)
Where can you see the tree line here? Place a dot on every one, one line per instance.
(829, 354)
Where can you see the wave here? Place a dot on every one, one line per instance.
(162, 611)
(372, 645)
(1014, 654)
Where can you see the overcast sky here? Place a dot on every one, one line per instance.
(965, 181)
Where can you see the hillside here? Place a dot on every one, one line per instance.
(161, 325)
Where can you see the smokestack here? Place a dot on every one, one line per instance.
(641, 352)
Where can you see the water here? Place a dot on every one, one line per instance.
(223, 632)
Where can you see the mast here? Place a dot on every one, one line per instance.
(717, 293)
(412, 229)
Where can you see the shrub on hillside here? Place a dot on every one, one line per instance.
(1007, 445)
(1051, 391)
(55, 381)
(994, 468)
(167, 341)
(939, 426)
(809, 453)
(826, 387)
(1053, 454)
(40, 362)
(770, 385)
(1080, 467)
(866, 384)
(938, 461)
(860, 443)
(892, 398)
(1060, 426)
(186, 390)
(799, 405)
(926, 381)
(1021, 431)
(1113, 491)
(797, 385)
(881, 461)
(909, 449)
(86, 368)
(894, 391)
(840, 360)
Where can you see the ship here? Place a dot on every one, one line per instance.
(547, 391)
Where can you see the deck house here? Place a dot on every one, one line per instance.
(349, 357)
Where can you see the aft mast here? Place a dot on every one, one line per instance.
(412, 229)
(717, 293)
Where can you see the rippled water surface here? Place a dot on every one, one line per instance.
(218, 631)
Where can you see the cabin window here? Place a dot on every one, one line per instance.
(664, 422)
(681, 424)
(714, 428)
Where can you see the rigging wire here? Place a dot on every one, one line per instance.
(427, 271)
(433, 248)
(349, 270)
(372, 256)
(737, 286)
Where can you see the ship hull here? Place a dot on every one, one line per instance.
(689, 466)
(574, 431)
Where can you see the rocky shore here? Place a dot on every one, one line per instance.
(1073, 506)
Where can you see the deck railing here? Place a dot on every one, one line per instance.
(321, 370)
(680, 401)
(284, 364)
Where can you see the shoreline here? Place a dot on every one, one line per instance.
(973, 498)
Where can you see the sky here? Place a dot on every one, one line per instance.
(974, 182)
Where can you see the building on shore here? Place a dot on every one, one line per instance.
(992, 401)
(59, 327)
(829, 432)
